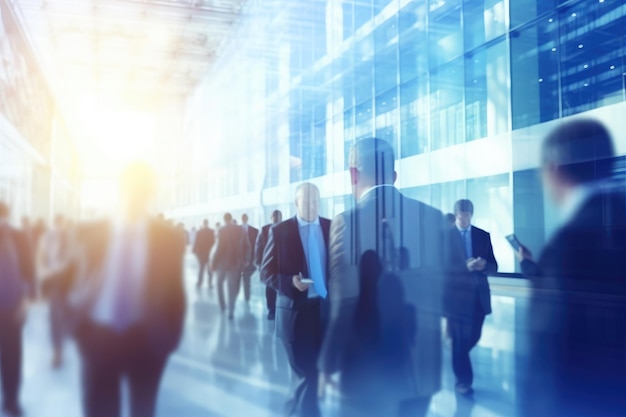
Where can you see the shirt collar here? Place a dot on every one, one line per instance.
(467, 229)
(304, 223)
(369, 190)
(575, 200)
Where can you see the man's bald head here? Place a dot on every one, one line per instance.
(371, 162)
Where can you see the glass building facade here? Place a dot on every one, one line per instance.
(464, 90)
(39, 169)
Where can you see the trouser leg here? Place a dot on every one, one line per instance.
(10, 357)
(270, 298)
(246, 284)
(144, 378)
(221, 279)
(233, 290)
(101, 371)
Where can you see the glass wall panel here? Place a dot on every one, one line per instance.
(486, 92)
(483, 21)
(446, 104)
(591, 52)
(445, 31)
(523, 11)
(535, 73)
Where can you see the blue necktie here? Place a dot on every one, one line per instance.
(315, 263)
(466, 243)
(126, 297)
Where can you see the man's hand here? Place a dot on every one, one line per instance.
(480, 264)
(523, 253)
(324, 381)
(302, 287)
(476, 264)
(469, 263)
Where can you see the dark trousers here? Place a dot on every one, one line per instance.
(245, 277)
(302, 353)
(10, 356)
(270, 298)
(58, 319)
(109, 357)
(231, 279)
(202, 266)
(465, 334)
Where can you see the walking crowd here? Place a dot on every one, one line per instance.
(357, 301)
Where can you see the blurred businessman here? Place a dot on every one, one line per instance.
(251, 234)
(577, 312)
(16, 285)
(259, 248)
(407, 236)
(227, 261)
(467, 298)
(127, 300)
(202, 245)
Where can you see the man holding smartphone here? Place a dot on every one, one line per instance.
(295, 265)
(467, 298)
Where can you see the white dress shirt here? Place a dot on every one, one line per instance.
(118, 278)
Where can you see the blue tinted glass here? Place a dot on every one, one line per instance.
(591, 51)
(535, 73)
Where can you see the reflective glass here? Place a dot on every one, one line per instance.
(535, 73)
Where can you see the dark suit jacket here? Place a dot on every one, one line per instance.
(163, 300)
(577, 315)
(465, 288)
(261, 242)
(205, 238)
(230, 249)
(282, 259)
(253, 233)
(25, 259)
(417, 230)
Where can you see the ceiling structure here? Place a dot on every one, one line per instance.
(138, 52)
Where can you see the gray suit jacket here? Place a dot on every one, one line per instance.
(418, 229)
(230, 250)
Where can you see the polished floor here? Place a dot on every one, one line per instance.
(237, 368)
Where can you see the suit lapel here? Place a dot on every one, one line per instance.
(295, 231)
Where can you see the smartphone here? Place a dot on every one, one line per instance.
(306, 280)
(514, 242)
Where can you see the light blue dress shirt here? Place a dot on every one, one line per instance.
(466, 235)
(320, 281)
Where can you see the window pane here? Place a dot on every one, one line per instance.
(446, 102)
(534, 73)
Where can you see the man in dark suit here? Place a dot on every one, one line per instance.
(467, 298)
(259, 248)
(228, 260)
(297, 249)
(393, 227)
(248, 269)
(126, 300)
(16, 284)
(205, 238)
(577, 312)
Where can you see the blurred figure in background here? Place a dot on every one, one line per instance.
(128, 300)
(205, 238)
(467, 299)
(450, 219)
(577, 312)
(183, 232)
(250, 234)
(259, 248)
(16, 285)
(227, 261)
(51, 257)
